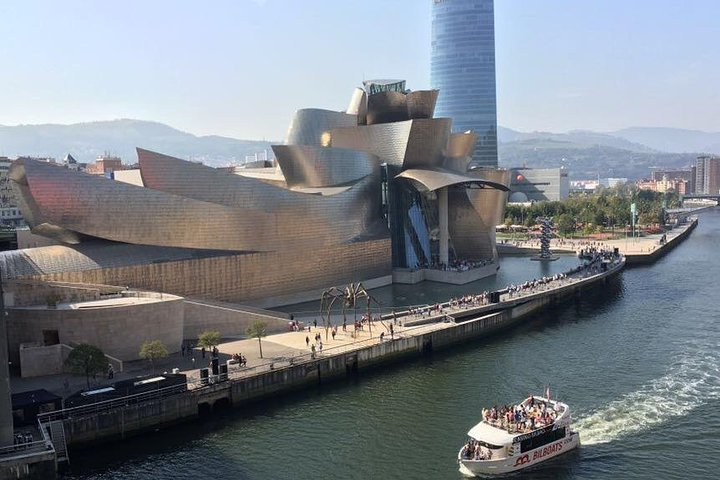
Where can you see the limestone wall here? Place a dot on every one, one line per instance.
(228, 319)
(118, 330)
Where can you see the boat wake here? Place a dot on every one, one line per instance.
(690, 383)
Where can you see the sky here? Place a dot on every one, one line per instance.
(240, 68)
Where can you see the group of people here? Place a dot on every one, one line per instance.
(470, 300)
(474, 450)
(240, 359)
(427, 310)
(521, 418)
(532, 285)
(457, 265)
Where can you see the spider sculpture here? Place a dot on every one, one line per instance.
(350, 297)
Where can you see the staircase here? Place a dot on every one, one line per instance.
(57, 434)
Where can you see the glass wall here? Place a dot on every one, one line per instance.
(462, 67)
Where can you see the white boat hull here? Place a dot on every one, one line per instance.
(480, 468)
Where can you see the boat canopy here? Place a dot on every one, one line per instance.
(489, 434)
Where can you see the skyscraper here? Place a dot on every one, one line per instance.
(462, 67)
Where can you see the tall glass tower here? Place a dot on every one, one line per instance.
(462, 67)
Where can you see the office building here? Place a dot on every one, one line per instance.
(463, 68)
(538, 184)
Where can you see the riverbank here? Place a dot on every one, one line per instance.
(353, 352)
(639, 250)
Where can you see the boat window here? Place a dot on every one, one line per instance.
(487, 445)
(540, 440)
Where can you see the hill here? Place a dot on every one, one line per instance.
(578, 137)
(588, 161)
(672, 139)
(85, 141)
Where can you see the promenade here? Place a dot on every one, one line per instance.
(634, 249)
(294, 347)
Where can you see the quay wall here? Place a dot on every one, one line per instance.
(33, 466)
(119, 423)
(652, 257)
(128, 420)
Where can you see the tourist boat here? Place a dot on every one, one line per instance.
(498, 446)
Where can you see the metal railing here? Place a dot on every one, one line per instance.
(105, 405)
(29, 448)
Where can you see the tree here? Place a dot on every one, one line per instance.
(86, 360)
(152, 351)
(258, 330)
(209, 339)
(565, 223)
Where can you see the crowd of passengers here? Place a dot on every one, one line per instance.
(532, 285)
(473, 450)
(521, 418)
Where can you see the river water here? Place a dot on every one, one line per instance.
(638, 362)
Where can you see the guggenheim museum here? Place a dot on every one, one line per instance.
(357, 195)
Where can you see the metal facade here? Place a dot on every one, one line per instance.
(198, 231)
(313, 166)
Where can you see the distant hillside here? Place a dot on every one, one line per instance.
(588, 161)
(589, 154)
(578, 137)
(626, 153)
(85, 141)
(672, 139)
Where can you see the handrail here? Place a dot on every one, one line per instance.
(104, 405)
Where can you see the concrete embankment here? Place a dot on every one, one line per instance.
(89, 426)
(654, 252)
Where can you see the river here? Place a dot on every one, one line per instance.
(637, 362)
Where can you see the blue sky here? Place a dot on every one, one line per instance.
(241, 67)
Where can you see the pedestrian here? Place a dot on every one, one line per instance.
(193, 362)
(344, 325)
(382, 336)
(202, 350)
(392, 332)
(182, 349)
(315, 322)
(320, 346)
(312, 348)
(333, 334)
(111, 372)
(307, 340)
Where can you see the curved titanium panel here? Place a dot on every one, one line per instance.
(98, 207)
(387, 107)
(474, 213)
(358, 106)
(432, 180)
(461, 144)
(416, 143)
(309, 126)
(386, 141)
(328, 218)
(312, 166)
(421, 103)
(428, 140)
